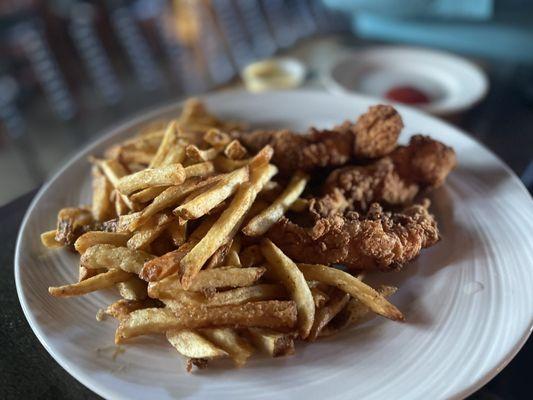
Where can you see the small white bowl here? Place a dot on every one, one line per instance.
(452, 83)
(273, 74)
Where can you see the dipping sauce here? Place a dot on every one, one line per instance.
(407, 95)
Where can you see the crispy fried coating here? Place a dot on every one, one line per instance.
(394, 180)
(378, 240)
(373, 135)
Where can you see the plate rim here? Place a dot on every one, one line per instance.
(151, 112)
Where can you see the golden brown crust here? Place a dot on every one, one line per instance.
(374, 135)
(376, 131)
(424, 161)
(394, 180)
(378, 240)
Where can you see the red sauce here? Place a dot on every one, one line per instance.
(407, 95)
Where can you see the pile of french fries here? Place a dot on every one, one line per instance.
(177, 224)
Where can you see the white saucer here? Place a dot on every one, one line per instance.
(453, 83)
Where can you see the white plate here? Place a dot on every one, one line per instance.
(468, 300)
(453, 83)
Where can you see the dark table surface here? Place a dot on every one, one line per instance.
(504, 122)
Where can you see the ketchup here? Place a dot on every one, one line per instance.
(407, 95)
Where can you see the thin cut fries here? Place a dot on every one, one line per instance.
(161, 267)
(349, 284)
(93, 238)
(108, 256)
(170, 139)
(227, 339)
(145, 195)
(269, 314)
(268, 217)
(193, 345)
(120, 309)
(275, 344)
(223, 277)
(286, 271)
(235, 150)
(246, 294)
(147, 233)
(173, 174)
(216, 138)
(179, 227)
(133, 289)
(48, 239)
(197, 155)
(326, 313)
(225, 227)
(102, 207)
(97, 282)
(208, 200)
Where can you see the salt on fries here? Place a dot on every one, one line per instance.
(177, 225)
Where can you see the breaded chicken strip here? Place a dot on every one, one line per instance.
(373, 135)
(394, 180)
(378, 240)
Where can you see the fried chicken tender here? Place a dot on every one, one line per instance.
(394, 180)
(373, 135)
(376, 241)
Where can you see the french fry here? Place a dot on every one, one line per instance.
(109, 257)
(150, 231)
(167, 175)
(120, 309)
(161, 267)
(223, 277)
(114, 170)
(133, 289)
(262, 222)
(354, 312)
(102, 207)
(208, 200)
(286, 271)
(228, 340)
(92, 238)
(232, 258)
(225, 164)
(326, 313)
(263, 314)
(245, 294)
(97, 282)
(175, 154)
(135, 156)
(275, 344)
(177, 232)
(121, 208)
(217, 259)
(353, 286)
(178, 297)
(48, 239)
(193, 345)
(71, 222)
(225, 228)
(197, 155)
(199, 169)
(145, 195)
(170, 139)
(235, 150)
(86, 273)
(216, 138)
(168, 198)
(262, 157)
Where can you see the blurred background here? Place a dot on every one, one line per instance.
(69, 69)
